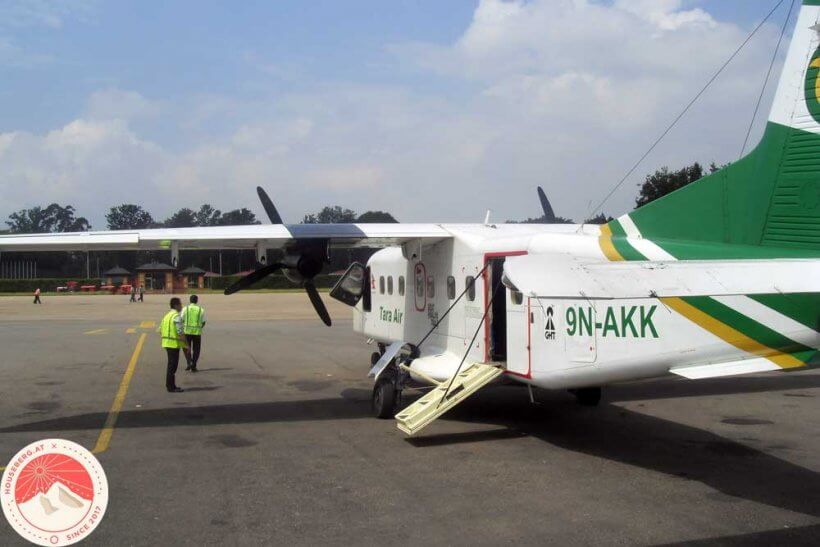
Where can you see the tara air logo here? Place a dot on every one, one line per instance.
(813, 86)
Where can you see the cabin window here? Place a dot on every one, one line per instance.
(470, 281)
(401, 285)
(517, 298)
(431, 287)
(419, 285)
(390, 285)
(451, 287)
(381, 285)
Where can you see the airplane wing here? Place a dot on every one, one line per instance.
(268, 236)
(561, 276)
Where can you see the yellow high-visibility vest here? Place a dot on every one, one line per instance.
(192, 320)
(170, 338)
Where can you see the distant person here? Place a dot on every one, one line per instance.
(37, 296)
(193, 321)
(173, 340)
(142, 293)
(133, 294)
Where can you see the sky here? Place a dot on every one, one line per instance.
(434, 111)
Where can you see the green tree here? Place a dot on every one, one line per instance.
(542, 220)
(376, 217)
(600, 218)
(54, 218)
(129, 217)
(208, 216)
(663, 182)
(331, 215)
(238, 217)
(184, 218)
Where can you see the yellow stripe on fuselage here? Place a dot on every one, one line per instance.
(730, 335)
(608, 248)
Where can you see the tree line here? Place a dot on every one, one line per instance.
(128, 216)
(57, 218)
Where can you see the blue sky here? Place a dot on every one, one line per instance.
(368, 104)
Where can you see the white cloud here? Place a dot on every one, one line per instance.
(118, 104)
(44, 13)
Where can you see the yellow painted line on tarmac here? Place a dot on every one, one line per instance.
(111, 421)
(95, 331)
(131, 331)
(148, 324)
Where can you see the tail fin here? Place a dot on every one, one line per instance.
(771, 197)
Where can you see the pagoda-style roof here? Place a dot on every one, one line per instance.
(192, 270)
(156, 267)
(116, 271)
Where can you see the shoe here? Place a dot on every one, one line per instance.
(189, 367)
(176, 390)
(193, 369)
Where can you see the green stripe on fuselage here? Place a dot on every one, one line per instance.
(750, 327)
(803, 308)
(621, 243)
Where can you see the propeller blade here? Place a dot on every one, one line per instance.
(549, 215)
(270, 209)
(316, 300)
(253, 277)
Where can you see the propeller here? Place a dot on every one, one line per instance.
(316, 300)
(253, 278)
(549, 215)
(301, 264)
(270, 209)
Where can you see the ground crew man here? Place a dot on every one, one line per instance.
(142, 293)
(37, 296)
(193, 321)
(133, 294)
(173, 340)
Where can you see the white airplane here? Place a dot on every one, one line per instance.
(717, 279)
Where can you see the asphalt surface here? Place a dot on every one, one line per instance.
(273, 442)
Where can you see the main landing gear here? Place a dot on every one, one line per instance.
(385, 400)
(587, 396)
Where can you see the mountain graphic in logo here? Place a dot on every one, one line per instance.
(813, 86)
(54, 492)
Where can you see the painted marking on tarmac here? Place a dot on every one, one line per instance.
(131, 331)
(111, 421)
(95, 331)
(148, 324)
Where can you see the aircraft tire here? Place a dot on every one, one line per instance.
(374, 358)
(385, 398)
(588, 396)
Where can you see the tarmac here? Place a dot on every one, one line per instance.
(273, 441)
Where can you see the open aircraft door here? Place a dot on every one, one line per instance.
(520, 325)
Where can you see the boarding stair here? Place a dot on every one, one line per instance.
(445, 396)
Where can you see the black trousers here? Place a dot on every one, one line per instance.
(195, 343)
(37, 299)
(171, 371)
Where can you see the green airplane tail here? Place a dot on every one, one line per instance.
(770, 199)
